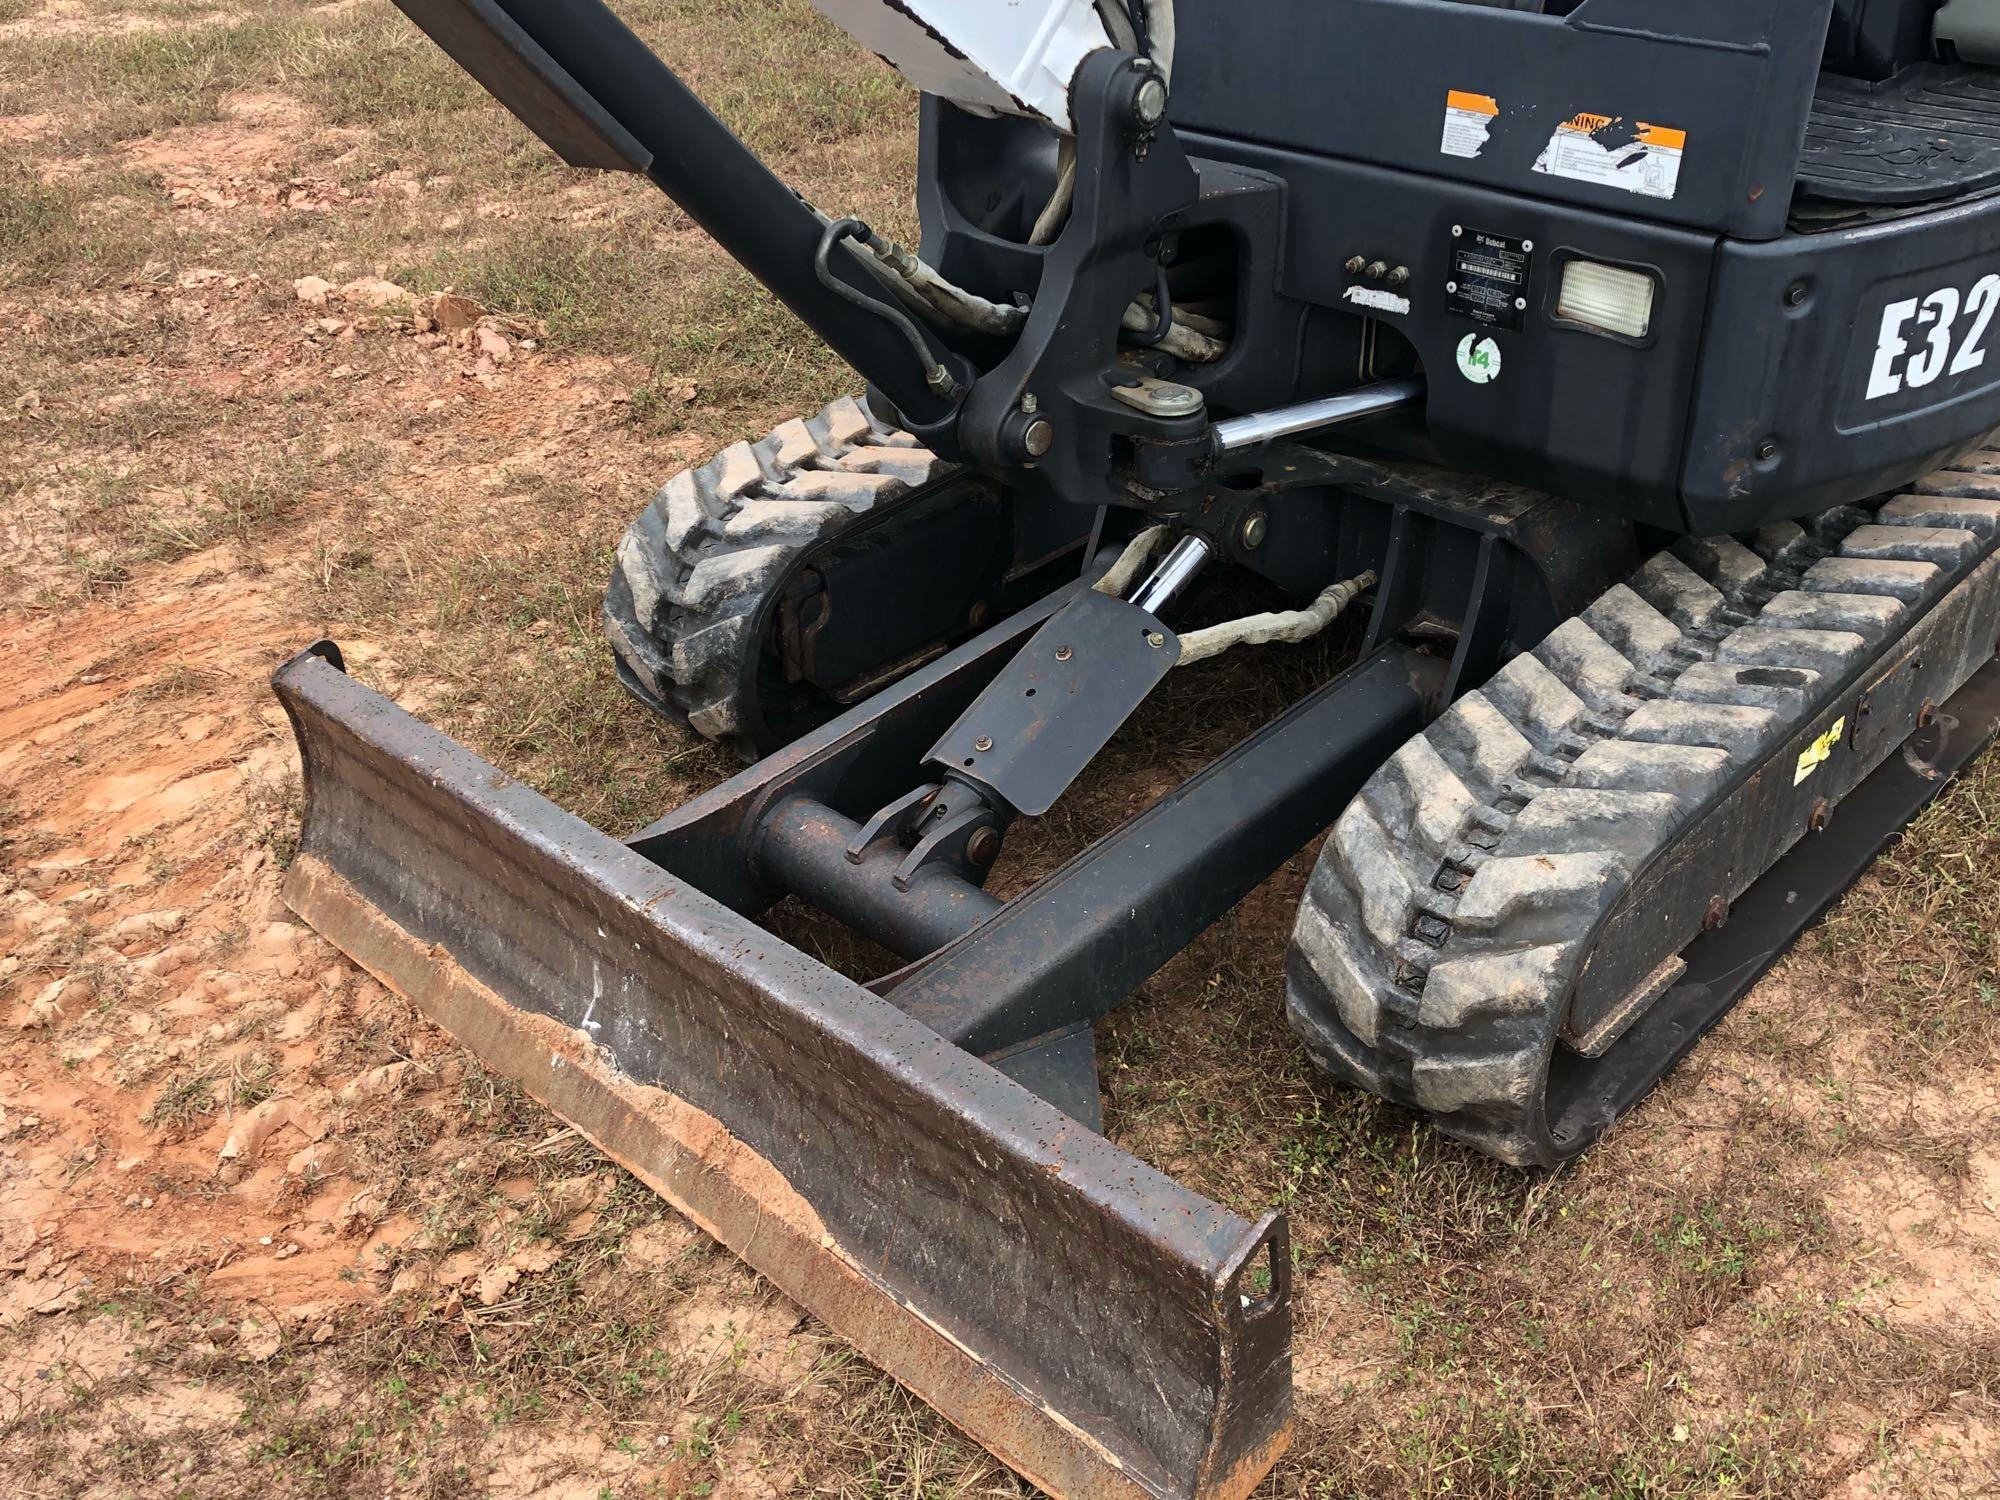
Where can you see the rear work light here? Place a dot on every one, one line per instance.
(1607, 298)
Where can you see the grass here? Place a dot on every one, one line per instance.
(188, 1098)
(1688, 1311)
(1914, 942)
(51, 232)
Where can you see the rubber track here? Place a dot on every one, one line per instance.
(695, 566)
(1445, 924)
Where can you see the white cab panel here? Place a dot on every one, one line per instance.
(1009, 57)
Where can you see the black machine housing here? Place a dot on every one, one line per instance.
(1814, 221)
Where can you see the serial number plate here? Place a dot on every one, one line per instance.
(1489, 278)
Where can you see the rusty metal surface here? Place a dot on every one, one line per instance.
(1718, 968)
(1081, 1315)
(1048, 712)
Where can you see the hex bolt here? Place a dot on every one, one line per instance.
(1927, 715)
(1155, 639)
(1377, 269)
(1354, 265)
(1255, 525)
(983, 743)
(1400, 276)
(982, 846)
(1716, 915)
(1795, 294)
(1030, 403)
(1821, 811)
(1767, 450)
(1063, 653)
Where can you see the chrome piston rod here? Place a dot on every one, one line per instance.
(1175, 572)
(1308, 416)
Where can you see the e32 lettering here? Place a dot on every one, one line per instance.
(1915, 344)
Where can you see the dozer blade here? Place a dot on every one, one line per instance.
(1097, 1327)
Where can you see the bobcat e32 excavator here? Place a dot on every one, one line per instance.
(1628, 363)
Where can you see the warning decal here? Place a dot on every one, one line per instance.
(1819, 751)
(1615, 152)
(1468, 120)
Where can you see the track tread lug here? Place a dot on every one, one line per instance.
(1740, 729)
(1536, 701)
(1504, 1082)
(1947, 547)
(1957, 484)
(1636, 630)
(1648, 766)
(1433, 806)
(1357, 987)
(1637, 714)
(1678, 592)
(1517, 896)
(1373, 861)
(1577, 820)
(1824, 651)
(1976, 515)
(1908, 581)
(1723, 561)
(1480, 745)
(1588, 664)
(1868, 615)
(1784, 688)
(689, 569)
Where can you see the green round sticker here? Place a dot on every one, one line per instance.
(1478, 359)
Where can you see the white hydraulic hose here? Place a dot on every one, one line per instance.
(1121, 575)
(1118, 25)
(1181, 341)
(921, 289)
(1275, 625)
(924, 292)
(1049, 223)
(1160, 35)
(1290, 625)
(950, 300)
(1194, 322)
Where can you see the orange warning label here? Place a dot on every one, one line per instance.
(1633, 156)
(1468, 119)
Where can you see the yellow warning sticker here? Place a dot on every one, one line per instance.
(1468, 120)
(1820, 750)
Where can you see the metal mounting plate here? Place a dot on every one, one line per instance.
(1059, 701)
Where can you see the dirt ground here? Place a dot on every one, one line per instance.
(262, 1227)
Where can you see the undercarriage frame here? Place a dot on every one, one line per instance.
(919, 1159)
